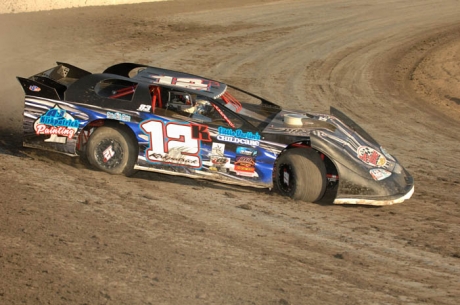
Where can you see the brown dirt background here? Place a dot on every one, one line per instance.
(73, 235)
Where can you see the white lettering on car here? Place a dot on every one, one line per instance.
(175, 143)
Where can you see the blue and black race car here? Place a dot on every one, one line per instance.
(136, 117)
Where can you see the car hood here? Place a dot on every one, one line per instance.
(368, 173)
(291, 122)
(333, 134)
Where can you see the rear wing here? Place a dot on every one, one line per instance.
(53, 82)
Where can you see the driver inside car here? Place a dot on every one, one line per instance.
(185, 104)
(180, 103)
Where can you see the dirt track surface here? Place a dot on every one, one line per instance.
(73, 235)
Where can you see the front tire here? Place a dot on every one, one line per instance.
(112, 150)
(301, 174)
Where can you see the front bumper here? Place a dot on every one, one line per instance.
(387, 200)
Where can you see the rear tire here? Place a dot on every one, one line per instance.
(301, 174)
(112, 150)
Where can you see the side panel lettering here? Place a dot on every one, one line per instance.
(175, 143)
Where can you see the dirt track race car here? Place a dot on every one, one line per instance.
(135, 117)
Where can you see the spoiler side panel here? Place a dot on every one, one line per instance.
(38, 88)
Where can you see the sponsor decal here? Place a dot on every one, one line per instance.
(184, 82)
(218, 161)
(291, 130)
(244, 165)
(379, 174)
(118, 116)
(217, 155)
(238, 136)
(370, 156)
(175, 143)
(35, 88)
(144, 108)
(58, 124)
(217, 149)
(246, 151)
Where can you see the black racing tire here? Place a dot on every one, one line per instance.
(300, 174)
(112, 150)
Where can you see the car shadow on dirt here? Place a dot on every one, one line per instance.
(11, 144)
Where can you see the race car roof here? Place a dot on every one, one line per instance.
(173, 79)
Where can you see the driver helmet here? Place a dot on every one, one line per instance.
(189, 106)
(181, 102)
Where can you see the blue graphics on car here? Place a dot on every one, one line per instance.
(134, 117)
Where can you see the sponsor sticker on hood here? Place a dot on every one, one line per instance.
(379, 174)
(370, 156)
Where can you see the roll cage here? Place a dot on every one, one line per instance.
(227, 107)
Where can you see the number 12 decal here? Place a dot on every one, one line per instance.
(175, 143)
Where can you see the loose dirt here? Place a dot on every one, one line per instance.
(73, 235)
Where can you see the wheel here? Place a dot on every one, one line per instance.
(301, 174)
(112, 150)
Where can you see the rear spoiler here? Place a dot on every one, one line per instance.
(40, 89)
(53, 82)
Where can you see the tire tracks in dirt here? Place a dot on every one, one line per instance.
(161, 239)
